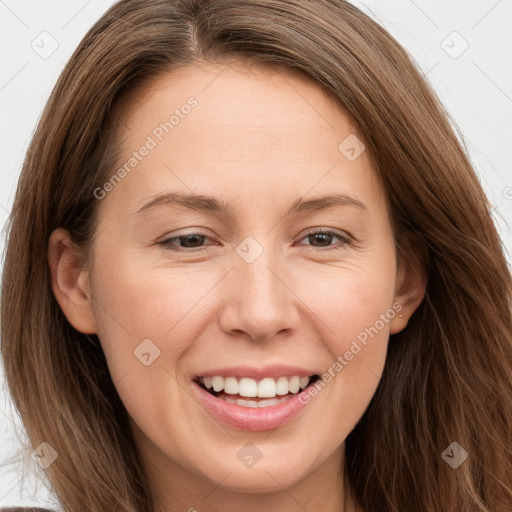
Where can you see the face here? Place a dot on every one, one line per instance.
(261, 280)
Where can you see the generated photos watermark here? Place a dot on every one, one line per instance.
(344, 359)
(152, 141)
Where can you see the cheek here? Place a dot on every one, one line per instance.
(355, 297)
(146, 325)
(137, 302)
(356, 304)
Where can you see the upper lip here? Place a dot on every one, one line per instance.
(276, 370)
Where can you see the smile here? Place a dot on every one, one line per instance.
(252, 404)
(262, 392)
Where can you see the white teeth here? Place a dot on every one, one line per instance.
(267, 388)
(231, 385)
(294, 384)
(282, 386)
(218, 383)
(247, 387)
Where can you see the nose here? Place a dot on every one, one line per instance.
(260, 299)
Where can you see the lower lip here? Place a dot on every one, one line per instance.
(249, 418)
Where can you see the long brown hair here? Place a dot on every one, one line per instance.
(448, 375)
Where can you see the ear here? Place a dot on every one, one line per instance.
(411, 285)
(70, 282)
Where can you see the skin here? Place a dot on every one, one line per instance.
(259, 140)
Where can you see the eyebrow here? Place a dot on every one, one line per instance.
(211, 204)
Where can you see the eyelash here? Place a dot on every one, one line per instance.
(345, 241)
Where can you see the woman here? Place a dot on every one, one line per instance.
(169, 339)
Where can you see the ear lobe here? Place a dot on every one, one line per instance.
(411, 286)
(70, 283)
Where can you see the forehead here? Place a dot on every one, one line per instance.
(250, 130)
(262, 100)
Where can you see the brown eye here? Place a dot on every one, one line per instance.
(324, 238)
(189, 241)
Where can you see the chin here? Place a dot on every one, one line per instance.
(260, 479)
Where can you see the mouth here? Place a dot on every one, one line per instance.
(255, 393)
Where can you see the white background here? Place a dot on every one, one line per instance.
(476, 87)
